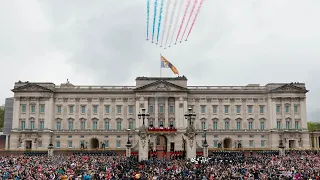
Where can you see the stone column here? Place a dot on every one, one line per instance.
(166, 112)
(303, 112)
(205, 150)
(7, 142)
(191, 142)
(128, 150)
(143, 143)
(156, 112)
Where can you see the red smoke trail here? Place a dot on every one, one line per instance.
(195, 18)
(184, 17)
(191, 13)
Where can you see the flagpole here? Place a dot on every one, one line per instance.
(160, 66)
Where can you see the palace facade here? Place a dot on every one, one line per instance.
(71, 116)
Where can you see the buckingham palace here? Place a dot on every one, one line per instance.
(69, 116)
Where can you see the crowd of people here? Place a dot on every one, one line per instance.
(222, 165)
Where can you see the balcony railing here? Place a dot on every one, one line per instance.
(162, 130)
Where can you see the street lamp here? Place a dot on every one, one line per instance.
(51, 132)
(205, 136)
(190, 116)
(128, 142)
(143, 115)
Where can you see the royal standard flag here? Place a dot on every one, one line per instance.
(166, 64)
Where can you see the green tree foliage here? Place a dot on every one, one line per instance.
(1, 118)
(313, 126)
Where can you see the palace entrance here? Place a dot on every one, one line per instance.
(94, 143)
(28, 144)
(161, 146)
(227, 143)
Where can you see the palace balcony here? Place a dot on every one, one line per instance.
(162, 130)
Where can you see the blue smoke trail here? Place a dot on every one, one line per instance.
(148, 15)
(159, 23)
(154, 18)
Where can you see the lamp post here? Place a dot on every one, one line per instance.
(205, 144)
(128, 130)
(143, 115)
(190, 116)
(50, 147)
(128, 145)
(205, 136)
(191, 135)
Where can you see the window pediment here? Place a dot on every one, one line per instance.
(203, 119)
(70, 119)
(130, 119)
(215, 119)
(58, 119)
(250, 119)
(94, 119)
(262, 119)
(226, 119)
(238, 119)
(31, 119)
(107, 119)
(82, 119)
(118, 119)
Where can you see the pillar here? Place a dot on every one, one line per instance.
(156, 112)
(128, 150)
(166, 112)
(7, 142)
(143, 143)
(191, 148)
(205, 150)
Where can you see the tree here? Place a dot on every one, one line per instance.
(1, 117)
(313, 126)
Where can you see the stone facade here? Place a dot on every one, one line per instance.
(67, 115)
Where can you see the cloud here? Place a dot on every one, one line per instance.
(103, 42)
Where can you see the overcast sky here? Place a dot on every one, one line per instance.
(103, 42)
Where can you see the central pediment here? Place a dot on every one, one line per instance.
(289, 88)
(31, 87)
(161, 85)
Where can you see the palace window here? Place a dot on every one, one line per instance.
(107, 109)
(278, 109)
(118, 125)
(262, 143)
(150, 109)
(214, 109)
(33, 108)
(172, 123)
(58, 125)
(23, 125)
(250, 124)
(32, 124)
(70, 125)
(171, 109)
(83, 109)
(119, 109)
(250, 109)
(95, 109)
(215, 125)
(287, 109)
(42, 108)
(94, 125)
(130, 109)
(288, 124)
(261, 109)
(161, 123)
(238, 125)
(261, 125)
(161, 110)
(23, 108)
(131, 125)
(215, 143)
(203, 109)
(118, 143)
(296, 108)
(238, 109)
(71, 110)
(296, 124)
(278, 124)
(57, 144)
(41, 127)
(59, 110)
(226, 109)
(83, 125)
(106, 125)
(251, 143)
(106, 143)
(227, 125)
(69, 144)
(203, 125)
